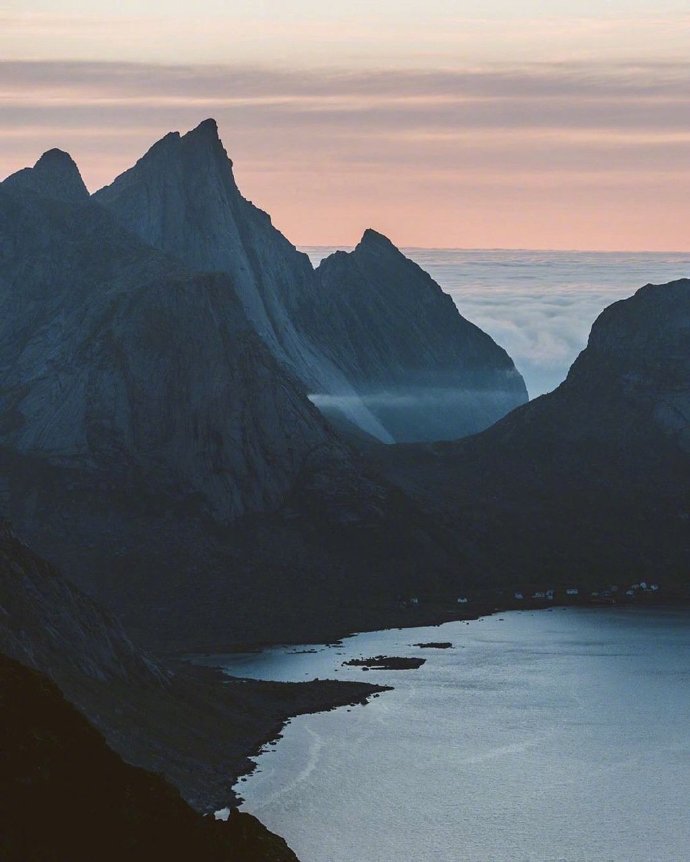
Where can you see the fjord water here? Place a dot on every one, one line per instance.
(540, 305)
(540, 736)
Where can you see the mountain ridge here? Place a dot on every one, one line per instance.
(182, 197)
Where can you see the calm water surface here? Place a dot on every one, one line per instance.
(540, 736)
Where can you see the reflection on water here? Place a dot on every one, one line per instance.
(540, 736)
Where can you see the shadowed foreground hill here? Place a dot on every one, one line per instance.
(192, 725)
(590, 482)
(64, 795)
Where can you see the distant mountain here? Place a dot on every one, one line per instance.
(372, 337)
(65, 795)
(591, 481)
(423, 370)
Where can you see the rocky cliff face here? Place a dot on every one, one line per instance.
(422, 369)
(181, 197)
(371, 336)
(635, 372)
(115, 360)
(592, 480)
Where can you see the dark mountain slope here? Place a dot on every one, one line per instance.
(65, 795)
(591, 481)
(422, 369)
(191, 725)
(55, 175)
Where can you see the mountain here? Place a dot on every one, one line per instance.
(181, 197)
(116, 360)
(590, 482)
(423, 370)
(154, 449)
(65, 795)
(374, 340)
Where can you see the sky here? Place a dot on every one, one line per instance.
(441, 123)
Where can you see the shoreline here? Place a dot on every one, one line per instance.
(324, 695)
(432, 615)
(272, 737)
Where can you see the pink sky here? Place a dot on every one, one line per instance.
(440, 129)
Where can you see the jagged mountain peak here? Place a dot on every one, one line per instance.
(207, 128)
(427, 372)
(180, 158)
(372, 239)
(205, 138)
(54, 175)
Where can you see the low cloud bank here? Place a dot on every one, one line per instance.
(540, 306)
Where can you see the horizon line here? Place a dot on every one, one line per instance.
(503, 248)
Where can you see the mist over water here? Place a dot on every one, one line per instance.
(539, 305)
(538, 737)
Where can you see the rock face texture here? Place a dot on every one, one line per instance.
(371, 336)
(116, 360)
(421, 368)
(591, 481)
(181, 197)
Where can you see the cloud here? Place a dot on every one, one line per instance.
(526, 154)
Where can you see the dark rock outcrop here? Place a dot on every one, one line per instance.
(423, 370)
(386, 662)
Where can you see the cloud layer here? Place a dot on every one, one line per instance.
(589, 155)
(540, 306)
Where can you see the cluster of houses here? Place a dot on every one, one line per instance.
(610, 592)
(607, 594)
